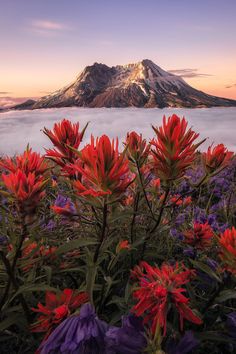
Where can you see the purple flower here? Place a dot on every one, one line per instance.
(189, 252)
(129, 339)
(186, 344)
(231, 324)
(4, 240)
(63, 202)
(212, 263)
(79, 334)
(177, 234)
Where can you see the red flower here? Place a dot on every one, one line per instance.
(26, 189)
(200, 236)
(160, 288)
(57, 308)
(34, 252)
(65, 211)
(217, 157)
(63, 135)
(28, 162)
(104, 170)
(25, 178)
(156, 184)
(175, 199)
(137, 148)
(122, 245)
(227, 243)
(173, 150)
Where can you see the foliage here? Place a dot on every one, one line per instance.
(107, 245)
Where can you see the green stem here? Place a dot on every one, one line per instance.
(161, 210)
(14, 282)
(103, 232)
(144, 191)
(92, 269)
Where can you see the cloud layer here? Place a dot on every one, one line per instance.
(188, 73)
(17, 128)
(230, 86)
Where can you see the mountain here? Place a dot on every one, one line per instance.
(143, 84)
(25, 105)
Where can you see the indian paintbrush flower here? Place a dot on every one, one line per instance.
(28, 162)
(200, 236)
(159, 288)
(66, 138)
(27, 190)
(104, 170)
(173, 149)
(217, 157)
(227, 243)
(57, 308)
(137, 148)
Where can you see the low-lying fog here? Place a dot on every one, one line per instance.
(17, 128)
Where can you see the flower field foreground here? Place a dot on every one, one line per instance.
(118, 247)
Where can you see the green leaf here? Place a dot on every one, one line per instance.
(15, 318)
(31, 288)
(206, 269)
(226, 295)
(72, 245)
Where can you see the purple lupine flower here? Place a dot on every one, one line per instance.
(50, 225)
(129, 339)
(189, 252)
(180, 219)
(212, 263)
(177, 234)
(4, 240)
(231, 324)
(62, 201)
(186, 344)
(78, 334)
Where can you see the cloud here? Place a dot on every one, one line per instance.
(8, 101)
(112, 121)
(48, 27)
(188, 73)
(230, 86)
(4, 93)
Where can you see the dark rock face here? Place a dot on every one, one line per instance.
(143, 84)
(25, 105)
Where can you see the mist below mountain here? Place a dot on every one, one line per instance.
(17, 128)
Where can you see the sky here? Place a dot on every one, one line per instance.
(46, 43)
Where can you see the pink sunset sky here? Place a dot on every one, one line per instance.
(45, 44)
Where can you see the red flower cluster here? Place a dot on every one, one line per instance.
(217, 157)
(227, 243)
(28, 162)
(200, 236)
(173, 149)
(57, 308)
(104, 170)
(25, 179)
(63, 136)
(137, 148)
(33, 251)
(177, 200)
(158, 289)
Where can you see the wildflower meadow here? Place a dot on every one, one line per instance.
(118, 247)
